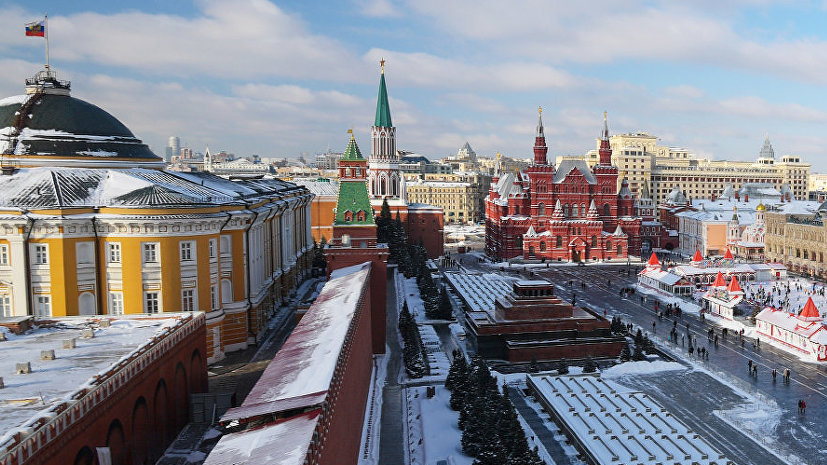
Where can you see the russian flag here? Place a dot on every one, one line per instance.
(36, 29)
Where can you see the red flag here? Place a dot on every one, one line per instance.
(36, 29)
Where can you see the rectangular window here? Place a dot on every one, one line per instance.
(186, 251)
(5, 305)
(43, 306)
(151, 304)
(150, 252)
(113, 252)
(212, 247)
(116, 303)
(4, 255)
(187, 300)
(41, 254)
(213, 297)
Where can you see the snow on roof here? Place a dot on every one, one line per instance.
(665, 277)
(52, 381)
(283, 443)
(789, 322)
(566, 166)
(618, 425)
(305, 364)
(321, 188)
(479, 291)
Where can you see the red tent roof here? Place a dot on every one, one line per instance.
(734, 286)
(653, 260)
(809, 310)
(728, 255)
(697, 257)
(719, 280)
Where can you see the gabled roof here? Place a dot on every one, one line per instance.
(728, 255)
(809, 310)
(697, 257)
(719, 280)
(567, 166)
(653, 260)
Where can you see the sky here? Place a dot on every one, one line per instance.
(279, 79)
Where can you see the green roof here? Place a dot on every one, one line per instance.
(383, 109)
(353, 196)
(352, 152)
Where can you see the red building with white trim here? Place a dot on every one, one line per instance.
(569, 212)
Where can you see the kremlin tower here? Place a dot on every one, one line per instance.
(385, 181)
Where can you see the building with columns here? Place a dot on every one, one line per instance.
(91, 223)
(569, 211)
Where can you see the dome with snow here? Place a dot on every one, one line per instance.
(48, 127)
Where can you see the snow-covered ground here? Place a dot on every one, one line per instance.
(433, 433)
(372, 427)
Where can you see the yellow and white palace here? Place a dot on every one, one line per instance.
(92, 224)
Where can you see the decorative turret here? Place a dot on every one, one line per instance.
(653, 264)
(767, 154)
(605, 150)
(734, 288)
(540, 148)
(644, 192)
(558, 211)
(625, 192)
(809, 312)
(719, 281)
(592, 213)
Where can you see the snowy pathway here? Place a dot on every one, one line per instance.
(390, 440)
(537, 424)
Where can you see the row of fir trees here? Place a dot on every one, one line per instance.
(412, 260)
(491, 432)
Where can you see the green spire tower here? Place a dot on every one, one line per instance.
(385, 179)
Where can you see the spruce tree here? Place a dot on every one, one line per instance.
(638, 356)
(625, 353)
(589, 366)
(383, 223)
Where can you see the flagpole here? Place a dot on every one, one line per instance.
(46, 26)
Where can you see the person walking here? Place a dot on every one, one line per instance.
(774, 374)
(749, 365)
(799, 405)
(803, 406)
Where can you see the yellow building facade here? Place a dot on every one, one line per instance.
(639, 157)
(797, 239)
(92, 224)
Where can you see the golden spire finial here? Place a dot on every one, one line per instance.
(350, 131)
(540, 109)
(499, 155)
(605, 114)
(382, 65)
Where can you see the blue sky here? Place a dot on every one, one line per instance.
(282, 78)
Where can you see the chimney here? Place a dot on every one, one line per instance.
(746, 198)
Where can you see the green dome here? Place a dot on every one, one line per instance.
(59, 125)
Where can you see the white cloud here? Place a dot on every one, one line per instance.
(228, 38)
(378, 8)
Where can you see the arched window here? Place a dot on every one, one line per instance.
(583, 209)
(619, 249)
(575, 212)
(347, 172)
(226, 291)
(86, 304)
(594, 242)
(531, 250)
(559, 242)
(519, 242)
(383, 187)
(566, 210)
(608, 246)
(542, 246)
(541, 209)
